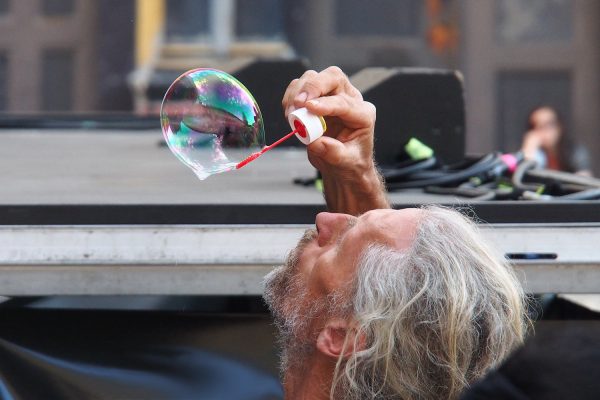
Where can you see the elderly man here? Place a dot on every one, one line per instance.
(378, 303)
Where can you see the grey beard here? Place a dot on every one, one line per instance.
(286, 294)
(287, 298)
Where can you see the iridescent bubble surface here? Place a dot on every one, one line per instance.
(210, 121)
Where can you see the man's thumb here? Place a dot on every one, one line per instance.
(328, 149)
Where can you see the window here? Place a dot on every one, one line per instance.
(3, 81)
(54, 8)
(57, 80)
(533, 20)
(187, 19)
(378, 17)
(259, 18)
(4, 6)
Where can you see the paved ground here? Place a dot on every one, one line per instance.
(112, 167)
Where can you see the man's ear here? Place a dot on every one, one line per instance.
(335, 334)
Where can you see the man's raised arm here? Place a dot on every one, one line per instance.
(344, 156)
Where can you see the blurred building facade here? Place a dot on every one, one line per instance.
(65, 55)
(514, 54)
(82, 55)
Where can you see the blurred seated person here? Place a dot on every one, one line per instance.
(547, 142)
(377, 303)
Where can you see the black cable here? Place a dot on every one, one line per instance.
(459, 191)
(483, 167)
(550, 176)
(517, 178)
(590, 194)
(401, 171)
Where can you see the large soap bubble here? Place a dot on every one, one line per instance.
(211, 121)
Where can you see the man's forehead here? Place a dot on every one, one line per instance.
(394, 227)
(405, 215)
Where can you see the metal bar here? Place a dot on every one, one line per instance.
(142, 245)
(232, 259)
(43, 280)
(559, 278)
(242, 244)
(132, 280)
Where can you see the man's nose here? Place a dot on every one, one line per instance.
(330, 226)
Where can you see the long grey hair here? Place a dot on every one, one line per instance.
(432, 318)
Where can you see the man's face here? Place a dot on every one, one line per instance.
(301, 292)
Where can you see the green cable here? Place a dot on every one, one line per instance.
(319, 185)
(417, 150)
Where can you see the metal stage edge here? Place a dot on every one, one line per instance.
(232, 259)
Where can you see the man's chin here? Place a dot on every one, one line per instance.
(286, 294)
(286, 297)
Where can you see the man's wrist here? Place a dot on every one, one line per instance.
(356, 192)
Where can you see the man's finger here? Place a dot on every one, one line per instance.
(341, 82)
(329, 150)
(305, 83)
(312, 85)
(288, 97)
(354, 114)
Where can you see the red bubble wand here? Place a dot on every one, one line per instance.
(300, 130)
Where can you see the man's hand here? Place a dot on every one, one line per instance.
(345, 154)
